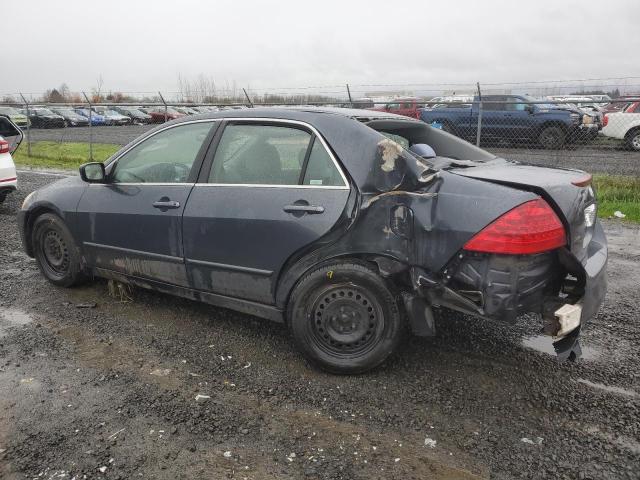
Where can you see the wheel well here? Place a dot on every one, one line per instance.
(560, 125)
(631, 131)
(28, 225)
(366, 260)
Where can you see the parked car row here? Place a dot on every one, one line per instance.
(524, 119)
(67, 116)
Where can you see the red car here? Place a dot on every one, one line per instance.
(409, 107)
(157, 114)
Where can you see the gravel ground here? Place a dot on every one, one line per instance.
(110, 390)
(595, 160)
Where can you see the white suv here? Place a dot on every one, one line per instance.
(10, 138)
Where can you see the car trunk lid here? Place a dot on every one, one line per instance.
(567, 191)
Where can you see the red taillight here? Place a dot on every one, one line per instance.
(532, 227)
(605, 120)
(4, 146)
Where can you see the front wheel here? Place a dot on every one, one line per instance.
(552, 137)
(632, 140)
(344, 319)
(56, 252)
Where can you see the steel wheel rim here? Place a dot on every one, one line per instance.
(548, 138)
(635, 142)
(346, 321)
(54, 253)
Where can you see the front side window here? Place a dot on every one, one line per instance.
(166, 157)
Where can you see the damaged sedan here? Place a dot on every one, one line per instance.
(350, 226)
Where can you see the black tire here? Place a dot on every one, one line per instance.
(552, 137)
(56, 252)
(632, 140)
(344, 319)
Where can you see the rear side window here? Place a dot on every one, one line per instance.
(320, 168)
(272, 155)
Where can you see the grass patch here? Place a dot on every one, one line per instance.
(65, 155)
(616, 192)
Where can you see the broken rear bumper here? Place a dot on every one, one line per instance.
(565, 291)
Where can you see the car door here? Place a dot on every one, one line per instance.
(132, 223)
(274, 188)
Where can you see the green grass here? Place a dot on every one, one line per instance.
(617, 192)
(62, 155)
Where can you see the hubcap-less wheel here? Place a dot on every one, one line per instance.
(55, 253)
(346, 321)
(635, 141)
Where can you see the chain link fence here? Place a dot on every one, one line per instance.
(595, 133)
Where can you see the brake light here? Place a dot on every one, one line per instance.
(532, 227)
(605, 120)
(4, 146)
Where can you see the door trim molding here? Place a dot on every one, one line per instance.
(160, 256)
(235, 268)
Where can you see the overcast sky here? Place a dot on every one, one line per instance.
(143, 45)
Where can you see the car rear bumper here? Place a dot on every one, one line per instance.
(566, 292)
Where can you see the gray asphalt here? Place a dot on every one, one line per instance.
(604, 159)
(93, 386)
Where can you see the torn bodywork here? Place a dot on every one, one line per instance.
(410, 221)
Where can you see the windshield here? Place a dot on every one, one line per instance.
(9, 111)
(529, 98)
(65, 111)
(43, 111)
(112, 113)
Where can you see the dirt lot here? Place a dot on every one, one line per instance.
(92, 387)
(594, 159)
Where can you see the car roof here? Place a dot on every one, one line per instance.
(303, 113)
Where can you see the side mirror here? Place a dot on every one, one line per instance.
(530, 108)
(92, 172)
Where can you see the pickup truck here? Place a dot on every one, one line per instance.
(624, 125)
(506, 120)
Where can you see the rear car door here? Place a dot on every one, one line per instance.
(132, 224)
(274, 188)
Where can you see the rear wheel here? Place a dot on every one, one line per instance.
(552, 137)
(344, 319)
(632, 139)
(56, 252)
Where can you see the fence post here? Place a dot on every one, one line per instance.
(165, 107)
(349, 93)
(247, 96)
(479, 128)
(90, 129)
(28, 126)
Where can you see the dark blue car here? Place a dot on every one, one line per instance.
(350, 226)
(96, 119)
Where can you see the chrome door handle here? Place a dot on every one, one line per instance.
(162, 204)
(312, 209)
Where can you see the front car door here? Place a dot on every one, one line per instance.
(274, 187)
(132, 224)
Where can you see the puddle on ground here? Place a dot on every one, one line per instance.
(543, 343)
(608, 388)
(10, 317)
